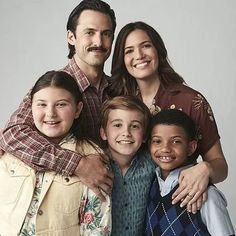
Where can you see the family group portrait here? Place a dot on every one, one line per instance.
(117, 118)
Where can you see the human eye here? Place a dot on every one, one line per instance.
(41, 104)
(107, 34)
(147, 45)
(155, 141)
(61, 104)
(89, 32)
(136, 126)
(128, 51)
(177, 141)
(117, 124)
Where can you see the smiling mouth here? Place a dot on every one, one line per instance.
(141, 65)
(51, 122)
(125, 142)
(165, 158)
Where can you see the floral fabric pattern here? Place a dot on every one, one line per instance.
(28, 228)
(199, 101)
(95, 216)
(193, 103)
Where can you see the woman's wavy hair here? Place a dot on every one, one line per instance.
(122, 82)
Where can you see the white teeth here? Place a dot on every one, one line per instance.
(141, 65)
(167, 158)
(51, 122)
(124, 142)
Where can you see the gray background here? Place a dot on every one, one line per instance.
(199, 35)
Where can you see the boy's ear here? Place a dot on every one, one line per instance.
(103, 134)
(78, 109)
(192, 146)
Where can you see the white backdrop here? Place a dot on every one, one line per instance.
(199, 35)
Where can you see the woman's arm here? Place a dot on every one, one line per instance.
(216, 163)
(194, 181)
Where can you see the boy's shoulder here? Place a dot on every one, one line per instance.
(143, 156)
(214, 213)
(215, 195)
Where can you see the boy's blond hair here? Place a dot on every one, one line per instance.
(125, 103)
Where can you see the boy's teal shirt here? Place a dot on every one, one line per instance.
(129, 195)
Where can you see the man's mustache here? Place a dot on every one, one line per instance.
(97, 49)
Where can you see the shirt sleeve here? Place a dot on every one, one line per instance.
(203, 116)
(94, 215)
(215, 215)
(22, 140)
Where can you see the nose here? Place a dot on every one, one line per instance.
(51, 112)
(139, 53)
(165, 147)
(98, 40)
(126, 132)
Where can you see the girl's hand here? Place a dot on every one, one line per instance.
(193, 182)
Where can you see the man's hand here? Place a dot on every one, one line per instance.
(193, 183)
(94, 173)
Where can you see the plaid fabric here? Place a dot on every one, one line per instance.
(92, 100)
(22, 140)
(163, 218)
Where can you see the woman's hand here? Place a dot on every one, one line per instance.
(193, 183)
(195, 206)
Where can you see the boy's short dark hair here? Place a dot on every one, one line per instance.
(176, 117)
(95, 5)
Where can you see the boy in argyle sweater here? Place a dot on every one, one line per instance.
(172, 140)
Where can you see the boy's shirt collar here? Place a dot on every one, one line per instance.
(171, 181)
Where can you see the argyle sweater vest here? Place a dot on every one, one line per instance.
(163, 218)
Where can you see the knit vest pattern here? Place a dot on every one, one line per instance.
(163, 218)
